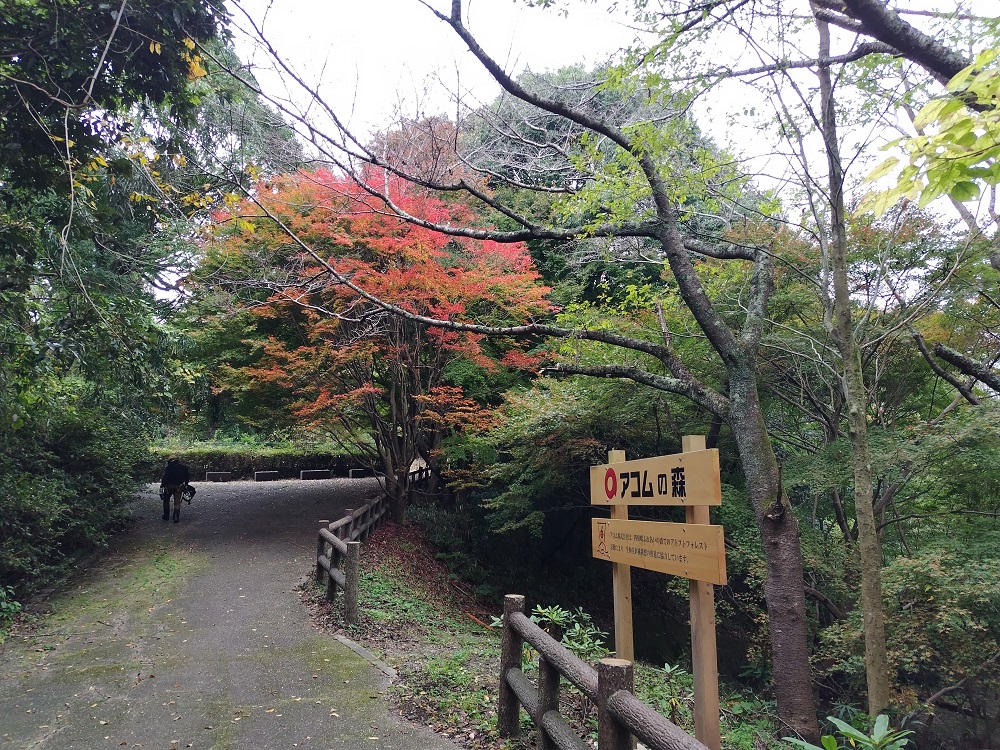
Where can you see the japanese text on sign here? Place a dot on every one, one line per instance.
(681, 479)
(690, 550)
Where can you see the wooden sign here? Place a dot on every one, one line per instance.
(679, 479)
(690, 550)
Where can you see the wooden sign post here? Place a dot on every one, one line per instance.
(621, 584)
(694, 550)
(704, 652)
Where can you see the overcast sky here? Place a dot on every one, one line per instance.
(369, 53)
(372, 55)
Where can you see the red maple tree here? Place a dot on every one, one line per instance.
(351, 368)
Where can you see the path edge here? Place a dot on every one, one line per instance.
(368, 656)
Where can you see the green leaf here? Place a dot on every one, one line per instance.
(794, 742)
(881, 727)
(882, 169)
(936, 110)
(964, 191)
(847, 730)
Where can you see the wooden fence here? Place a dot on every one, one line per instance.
(340, 542)
(620, 715)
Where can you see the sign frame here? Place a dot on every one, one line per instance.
(682, 479)
(689, 550)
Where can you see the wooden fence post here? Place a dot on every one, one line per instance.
(351, 582)
(548, 698)
(508, 707)
(320, 550)
(331, 584)
(704, 651)
(612, 675)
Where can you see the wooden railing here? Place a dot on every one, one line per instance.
(620, 715)
(340, 543)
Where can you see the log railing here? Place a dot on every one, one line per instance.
(340, 544)
(620, 715)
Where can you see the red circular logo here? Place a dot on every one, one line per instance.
(611, 484)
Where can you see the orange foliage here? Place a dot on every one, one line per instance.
(341, 353)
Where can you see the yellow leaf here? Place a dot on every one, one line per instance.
(152, 47)
(188, 42)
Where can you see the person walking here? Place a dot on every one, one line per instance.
(175, 476)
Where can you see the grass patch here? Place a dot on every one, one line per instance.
(435, 632)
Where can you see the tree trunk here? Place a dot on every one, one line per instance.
(784, 590)
(397, 501)
(856, 401)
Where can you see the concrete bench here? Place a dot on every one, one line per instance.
(315, 474)
(218, 476)
(359, 473)
(265, 476)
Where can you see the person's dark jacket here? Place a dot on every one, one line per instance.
(175, 474)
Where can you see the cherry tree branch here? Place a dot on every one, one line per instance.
(692, 390)
(969, 366)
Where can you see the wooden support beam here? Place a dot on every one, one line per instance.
(704, 652)
(621, 577)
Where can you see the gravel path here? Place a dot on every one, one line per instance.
(191, 635)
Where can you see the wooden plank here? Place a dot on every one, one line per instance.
(562, 734)
(569, 665)
(335, 542)
(704, 651)
(652, 729)
(677, 479)
(687, 550)
(621, 585)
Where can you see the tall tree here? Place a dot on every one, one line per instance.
(80, 346)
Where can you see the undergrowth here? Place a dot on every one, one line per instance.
(445, 644)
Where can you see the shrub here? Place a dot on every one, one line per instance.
(67, 478)
(244, 459)
(942, 625)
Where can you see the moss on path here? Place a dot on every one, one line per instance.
(191, 635)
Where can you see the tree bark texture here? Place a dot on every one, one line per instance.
(784, 590)
(856, 400)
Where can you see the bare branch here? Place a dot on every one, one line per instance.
(706, 398)
(942, 373)
(880, 21)
(969, 366)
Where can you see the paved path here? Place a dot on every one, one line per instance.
(191, 635)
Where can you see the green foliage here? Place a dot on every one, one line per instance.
(669, 690)
(574, 629)
(244, 458)
(9, 608)
(942, 610)
(48, 58)
(881, 737)
(384, 598)
(550, 435)
(960, 153)
(68, 468)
